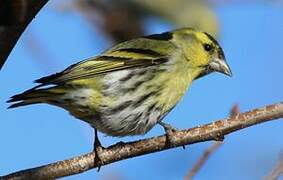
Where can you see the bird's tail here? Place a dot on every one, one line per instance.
(35, 96)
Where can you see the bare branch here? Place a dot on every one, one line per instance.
(277, 171)
(17, 15)
(202, 160)
(213, 131)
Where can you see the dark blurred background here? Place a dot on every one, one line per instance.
(250, 33)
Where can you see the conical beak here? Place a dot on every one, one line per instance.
(220, 65)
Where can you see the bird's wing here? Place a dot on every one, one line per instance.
(98, 66)
(147, 51)
(108, 62)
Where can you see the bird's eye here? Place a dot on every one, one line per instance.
(207, 47)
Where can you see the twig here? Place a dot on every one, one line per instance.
(18, 14)
(207, 153)
(277, 171)
(213, 131)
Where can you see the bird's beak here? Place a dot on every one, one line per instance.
(220, 65)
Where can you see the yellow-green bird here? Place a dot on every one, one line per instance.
(131, 87)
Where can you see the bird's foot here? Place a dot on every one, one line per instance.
(169, 130)
(97, 150)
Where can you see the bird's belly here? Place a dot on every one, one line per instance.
(130, 106)
(128, 121)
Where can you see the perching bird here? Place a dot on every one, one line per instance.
(131, 87)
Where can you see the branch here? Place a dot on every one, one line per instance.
(213, 131)
(207, 153)
(277, 171)
(14, 18)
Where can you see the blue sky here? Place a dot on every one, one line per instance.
(251, 36)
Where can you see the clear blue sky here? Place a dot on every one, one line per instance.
(251, 36)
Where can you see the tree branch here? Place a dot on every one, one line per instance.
(213, 131)
(202, 160)
(207, 153)
(277, 171)
(14, 18)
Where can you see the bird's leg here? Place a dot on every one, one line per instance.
(168, 130)
(97, 147)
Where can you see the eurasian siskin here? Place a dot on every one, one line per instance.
(130, 87)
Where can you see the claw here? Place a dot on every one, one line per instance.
(167, 127)
(168, 130)
(97, 147)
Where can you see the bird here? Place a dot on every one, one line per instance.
(132, 86)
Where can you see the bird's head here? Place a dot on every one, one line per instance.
(202, 52)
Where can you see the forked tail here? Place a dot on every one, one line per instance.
(35, 96)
